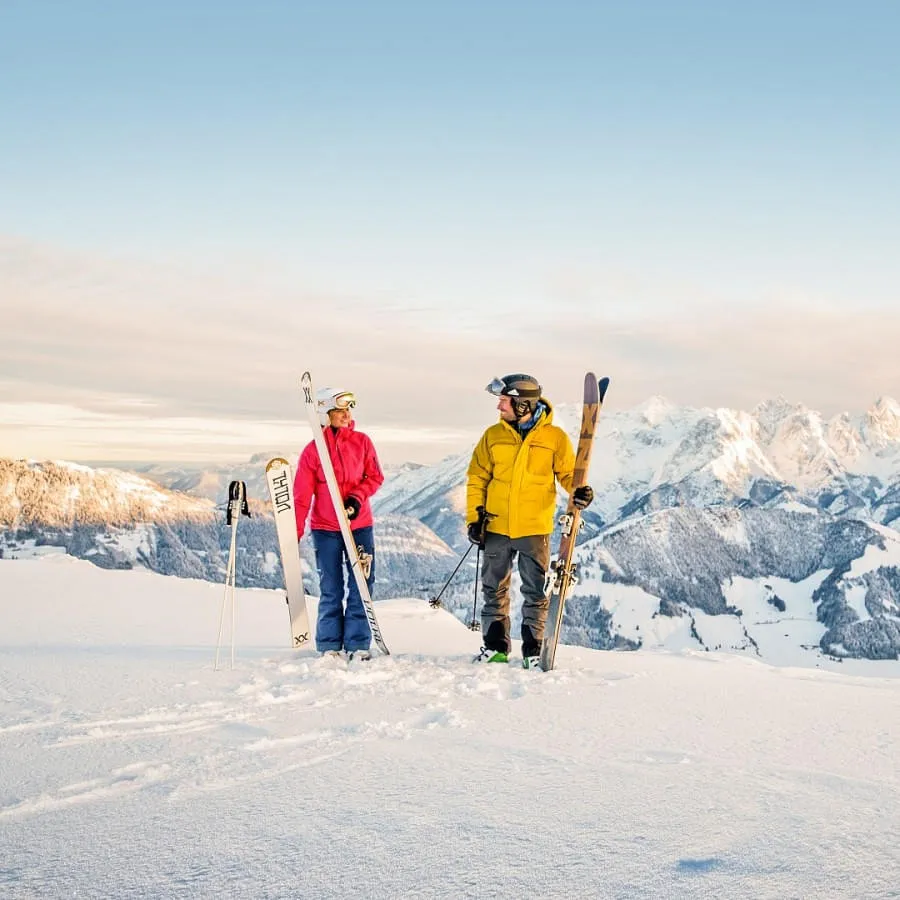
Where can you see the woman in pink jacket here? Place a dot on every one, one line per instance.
(358, 476)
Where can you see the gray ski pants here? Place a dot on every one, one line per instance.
(496, 572)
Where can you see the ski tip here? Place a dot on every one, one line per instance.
(602, 385)
(306, 377)
(276, 462)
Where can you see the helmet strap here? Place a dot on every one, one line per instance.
(521, 408)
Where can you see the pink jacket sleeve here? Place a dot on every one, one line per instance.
(372, 477)
(305, 485)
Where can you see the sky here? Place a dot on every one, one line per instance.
(199, 201)
(132, 768)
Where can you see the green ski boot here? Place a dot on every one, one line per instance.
(491, 656)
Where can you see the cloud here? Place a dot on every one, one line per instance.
(126, 359)
(28, 429)
(719, 355)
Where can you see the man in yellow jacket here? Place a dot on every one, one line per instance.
(510, 507)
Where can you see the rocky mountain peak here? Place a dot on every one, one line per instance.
(881, 424)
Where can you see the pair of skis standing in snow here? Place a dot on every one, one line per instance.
(514, 469)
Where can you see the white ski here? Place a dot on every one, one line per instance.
(309, 398)
(280, 481)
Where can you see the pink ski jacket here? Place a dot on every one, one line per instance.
(358, 475)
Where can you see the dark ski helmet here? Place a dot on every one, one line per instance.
(523, 390)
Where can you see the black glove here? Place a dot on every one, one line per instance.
(352, 507)
(475, 530)
(583, 496)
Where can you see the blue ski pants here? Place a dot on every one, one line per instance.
(337, 627)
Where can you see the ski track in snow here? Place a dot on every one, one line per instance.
(129, 768)
(297, 696)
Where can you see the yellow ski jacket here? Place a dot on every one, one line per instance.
(515, 479)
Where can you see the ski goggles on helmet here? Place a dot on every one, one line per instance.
(343, 401)
(496, 387)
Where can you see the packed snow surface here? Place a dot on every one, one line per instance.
(132, 768)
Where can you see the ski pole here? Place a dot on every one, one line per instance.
(483, 518)
(436, 602)
(475, 625)
(228, 595)
(237, 507)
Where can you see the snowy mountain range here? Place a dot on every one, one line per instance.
(119, 520)
(690, 505)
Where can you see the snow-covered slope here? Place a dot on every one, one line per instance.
(839, 578)
(132, 769)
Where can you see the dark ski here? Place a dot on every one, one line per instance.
(563, 567)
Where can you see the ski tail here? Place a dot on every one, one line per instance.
(281, 491)
(602, 385)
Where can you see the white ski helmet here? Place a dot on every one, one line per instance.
(333, 398)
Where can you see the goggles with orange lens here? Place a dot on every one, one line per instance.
(344, 401)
